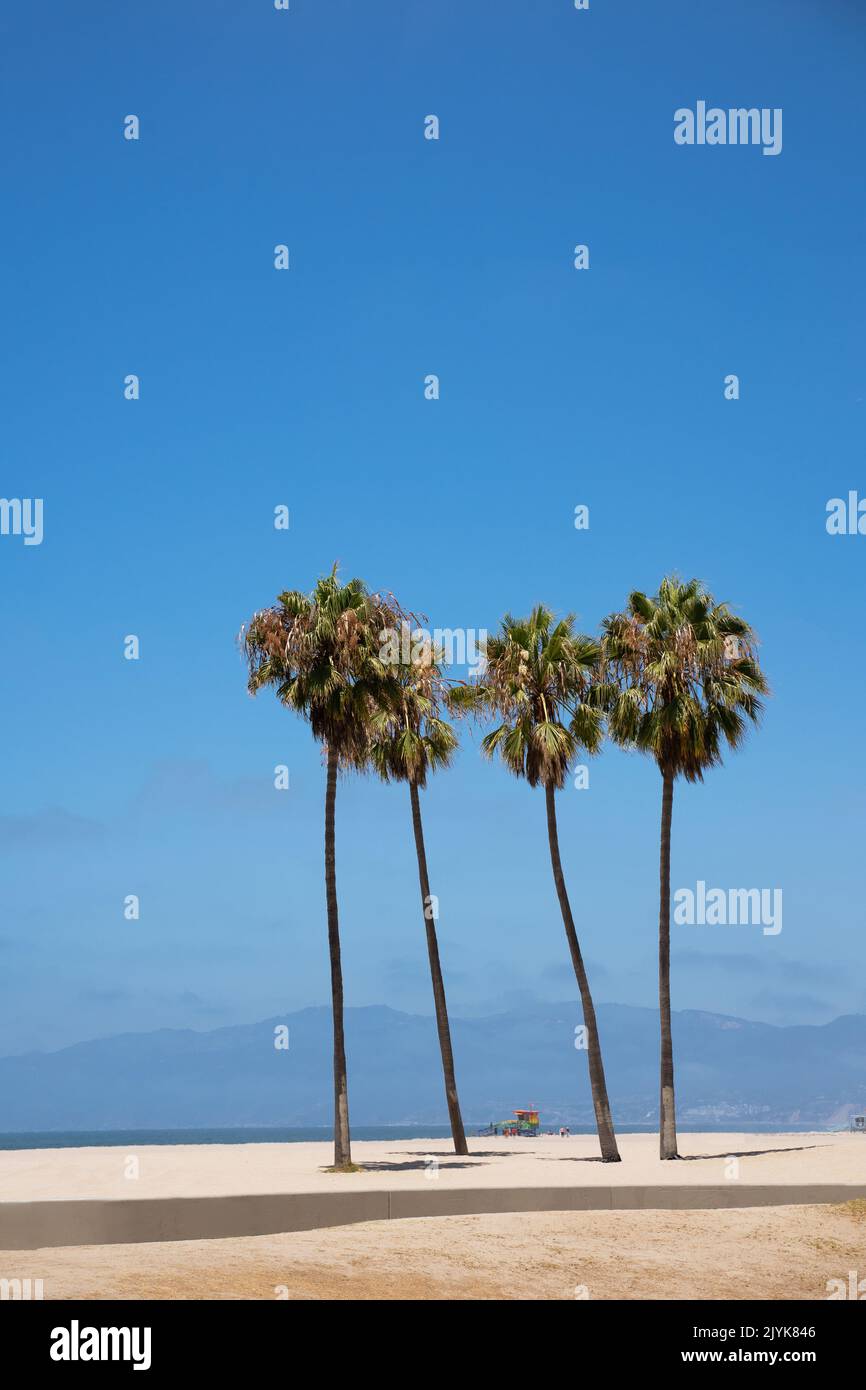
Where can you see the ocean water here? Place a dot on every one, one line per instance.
(122, 1138)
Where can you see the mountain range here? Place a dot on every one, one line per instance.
(728, 1071)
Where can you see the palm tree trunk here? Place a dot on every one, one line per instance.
(460, 1146)
(603, 1120)
(667, 1105)
(342, 1141)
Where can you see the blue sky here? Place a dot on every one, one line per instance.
(305, 387)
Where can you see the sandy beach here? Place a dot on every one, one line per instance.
(223, 1169)
(762, 1253)
(784, 1251)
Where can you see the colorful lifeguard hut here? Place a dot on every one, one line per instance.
(525, 1124)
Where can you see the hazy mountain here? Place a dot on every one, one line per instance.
(728, 1069)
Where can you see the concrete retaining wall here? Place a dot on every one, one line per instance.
(87, 1221)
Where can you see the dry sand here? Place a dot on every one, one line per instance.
(782, 1252)
(213, 1169)
(758, 1253)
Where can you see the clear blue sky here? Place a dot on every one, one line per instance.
(558, 387)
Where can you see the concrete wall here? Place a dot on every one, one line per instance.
(33, 1225)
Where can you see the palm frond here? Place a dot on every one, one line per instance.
(681, 678)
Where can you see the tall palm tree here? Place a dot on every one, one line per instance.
(537, 679)
(320, 654)
(409, 740)
(681, 681)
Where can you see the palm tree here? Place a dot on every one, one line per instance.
(681, 681)
(320, 654)
(537, 679)
(409, 740)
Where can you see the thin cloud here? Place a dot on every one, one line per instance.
(48, 828)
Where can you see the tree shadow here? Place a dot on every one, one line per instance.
(416, 1165)
(571, 1158)
(750, 1153)
(685, 1158)
(473, 1153)
(449, 1159)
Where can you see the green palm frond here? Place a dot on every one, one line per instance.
(539, 680)
(681, 679)
(409, 737)
(320, 654)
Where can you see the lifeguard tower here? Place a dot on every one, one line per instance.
(527, 1122)
(858, 1124)
(524, 1125)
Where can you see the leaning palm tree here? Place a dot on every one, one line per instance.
(409, 740)
(320, 654)
(537, 678)
(681, 681)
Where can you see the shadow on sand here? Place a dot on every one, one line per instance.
(687, 1158)
(571, 1158)
(419, 1165)
(448, 1157)
(750, 1153)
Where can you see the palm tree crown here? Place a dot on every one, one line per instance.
(321, 654)
(408, 736)
(538, 678)
(681, 679)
